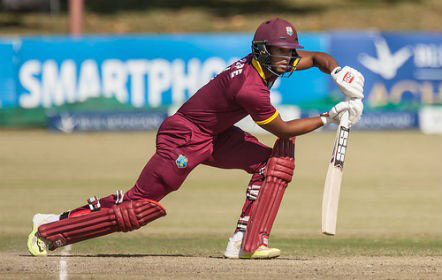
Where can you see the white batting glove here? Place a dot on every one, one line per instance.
(350, 81)
(354, 107)
(335, 113)
(355, 110)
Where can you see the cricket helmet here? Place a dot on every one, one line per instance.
(278, 33)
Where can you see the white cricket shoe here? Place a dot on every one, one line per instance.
(36, 246)
(234, 245)
(233, 250)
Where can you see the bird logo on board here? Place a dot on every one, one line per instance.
(387, 63)
(181, 161)
(289, 30)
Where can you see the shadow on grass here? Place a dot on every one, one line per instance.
(156, 255)
(114, 255)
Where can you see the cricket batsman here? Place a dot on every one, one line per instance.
(202, 131)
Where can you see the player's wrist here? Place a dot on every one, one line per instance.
(324, 119)
(335, 72)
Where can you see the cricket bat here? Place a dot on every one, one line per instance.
(332, 185)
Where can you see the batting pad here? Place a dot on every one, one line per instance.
(127, 216)
(278, 174)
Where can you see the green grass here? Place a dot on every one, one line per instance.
(213, 245)
(391, 197)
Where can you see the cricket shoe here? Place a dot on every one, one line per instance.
(233, 250)
(234, 245)
(36, 245)
(263, 252)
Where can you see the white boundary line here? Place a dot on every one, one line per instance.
(63, 274)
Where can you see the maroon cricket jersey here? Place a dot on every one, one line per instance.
(238, 91)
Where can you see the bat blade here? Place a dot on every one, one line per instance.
(330, 200)
(333, 179)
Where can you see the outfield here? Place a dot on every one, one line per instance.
(389, 225)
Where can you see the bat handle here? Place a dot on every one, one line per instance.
(345, 122)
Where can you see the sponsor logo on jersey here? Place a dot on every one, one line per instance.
(181, 161)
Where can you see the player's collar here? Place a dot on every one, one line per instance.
(258, 68)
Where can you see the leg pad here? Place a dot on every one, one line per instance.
(127, 216)
(279, 172)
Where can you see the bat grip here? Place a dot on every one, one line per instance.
(345, 122)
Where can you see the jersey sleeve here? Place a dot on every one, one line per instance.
(256, 101)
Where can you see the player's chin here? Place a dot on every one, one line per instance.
(282, 69)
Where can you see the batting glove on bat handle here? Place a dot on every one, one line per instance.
(350, 81)
(335, 113)
(355, 110)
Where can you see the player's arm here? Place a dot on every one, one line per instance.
(349, 80)
(284, 129)
(323, 61)
(287, 129)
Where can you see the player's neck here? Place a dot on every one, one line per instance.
(269, 76)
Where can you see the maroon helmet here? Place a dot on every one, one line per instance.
(278, 33)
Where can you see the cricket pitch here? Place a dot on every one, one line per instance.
(389, 219)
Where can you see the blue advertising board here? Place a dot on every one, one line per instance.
(144, 71)
(402, 70)
(8, 76)
(105, 121)
(381, 120)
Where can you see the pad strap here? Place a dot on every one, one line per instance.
(279, 172)
(94, 203)
(127, 216)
